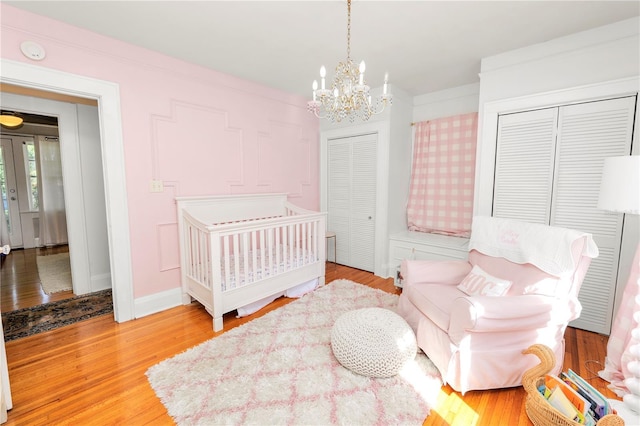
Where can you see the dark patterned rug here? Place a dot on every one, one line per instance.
(49, 316)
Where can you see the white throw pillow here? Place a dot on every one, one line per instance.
(480, 283)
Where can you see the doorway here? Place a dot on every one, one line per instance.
(32, 214)
(80, 172)
(30, 78)
(47, 80)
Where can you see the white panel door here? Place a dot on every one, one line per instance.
(351, 199)
(587, 134)
(524, 165)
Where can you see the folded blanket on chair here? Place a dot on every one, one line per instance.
(546, 247)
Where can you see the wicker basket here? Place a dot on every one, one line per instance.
(540, 412)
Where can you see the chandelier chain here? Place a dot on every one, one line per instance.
(348, 30)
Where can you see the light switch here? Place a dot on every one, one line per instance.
(157, 186)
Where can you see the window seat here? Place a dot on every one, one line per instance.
(423, 246)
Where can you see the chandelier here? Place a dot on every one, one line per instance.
(349, 95)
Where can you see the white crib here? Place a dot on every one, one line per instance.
(239, 249)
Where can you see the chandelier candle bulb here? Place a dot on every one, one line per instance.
(315, 87)
(323, 74)
(362, 68)
(386, 80)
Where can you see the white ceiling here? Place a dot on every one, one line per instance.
(425, 46)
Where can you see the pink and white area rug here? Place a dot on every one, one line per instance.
(279, 369)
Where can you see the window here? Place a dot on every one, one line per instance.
(31, 172)
(443, 174)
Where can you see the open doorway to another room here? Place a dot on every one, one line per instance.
(40, 165)
(32, 214)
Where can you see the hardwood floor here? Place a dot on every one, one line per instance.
(20, 283)
(93, 372)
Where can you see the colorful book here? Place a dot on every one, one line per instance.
(593, 405)
(552, 381)
(602, 405)
(560, 402)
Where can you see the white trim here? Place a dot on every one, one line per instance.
(569, 44)
(6, 401)
(158, 302)
(381, 128)
(108, 96)
(100, 282)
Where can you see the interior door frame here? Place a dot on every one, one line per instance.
(108, 96)
(381, 128)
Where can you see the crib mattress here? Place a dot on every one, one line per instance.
(256, 274)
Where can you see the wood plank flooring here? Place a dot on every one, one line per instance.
(93, 372)
(20, 283)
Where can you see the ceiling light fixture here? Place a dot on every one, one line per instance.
(10, 120)
(349, 95)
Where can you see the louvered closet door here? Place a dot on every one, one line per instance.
(339, 195)
(548, 169)
(588, 133)
(351, 199)
(524, 165)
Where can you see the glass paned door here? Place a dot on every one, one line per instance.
(10, 229)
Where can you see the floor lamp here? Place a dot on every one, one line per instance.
(620, 192)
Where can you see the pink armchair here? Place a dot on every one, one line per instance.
(519, 287)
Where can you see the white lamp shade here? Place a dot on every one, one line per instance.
(620, 185)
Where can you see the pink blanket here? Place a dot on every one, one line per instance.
(620, 340)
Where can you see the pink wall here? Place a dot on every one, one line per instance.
(197, 130)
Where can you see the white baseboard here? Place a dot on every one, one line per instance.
(157, 302)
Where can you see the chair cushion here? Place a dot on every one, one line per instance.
(525, 278)
(434, 301)
(480, 283)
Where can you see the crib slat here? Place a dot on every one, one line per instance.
(196, 255)
(273, 241)
(199, 244)
(245, 256)
(305, 241)
(187, 253)
(315, 240)
(227, 263)
(204, 261)
(292, 235)
(254, 251)
(236, 260)
(300, 242)
(263, 255)
(277, 248)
